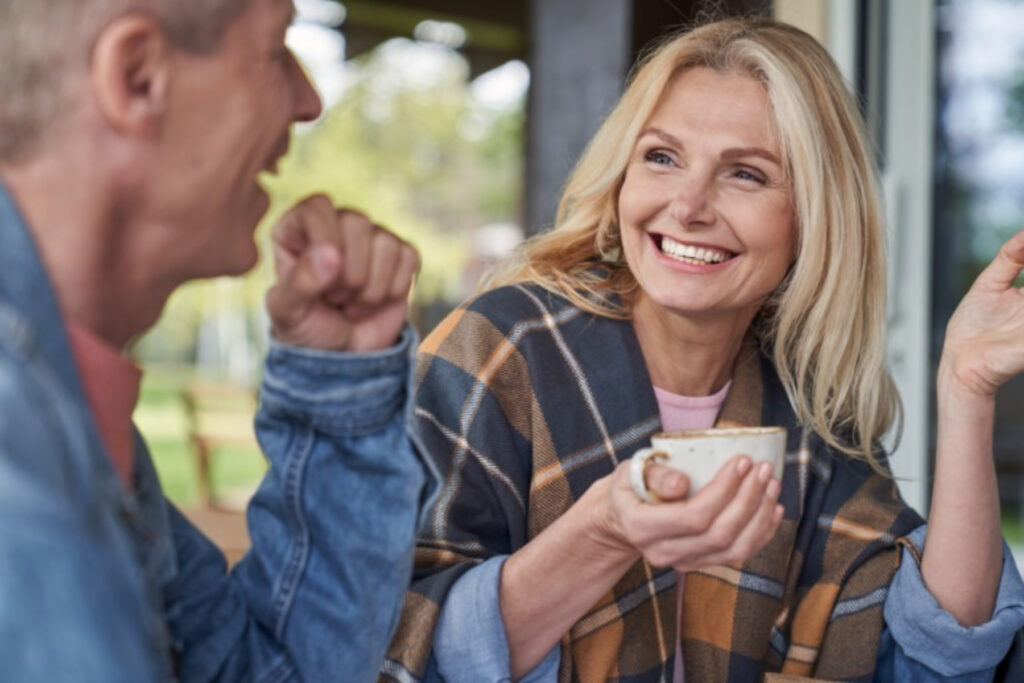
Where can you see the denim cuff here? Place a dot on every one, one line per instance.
(470, 643)
(932, 636)
(341, 393)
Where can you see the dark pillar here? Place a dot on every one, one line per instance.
(580, 52)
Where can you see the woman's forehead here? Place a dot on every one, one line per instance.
(732, 107)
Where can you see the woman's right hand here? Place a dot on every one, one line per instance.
(728, 521)
(556, 578)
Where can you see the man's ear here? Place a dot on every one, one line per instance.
(130, 74)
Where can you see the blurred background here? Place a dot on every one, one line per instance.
(455, 123)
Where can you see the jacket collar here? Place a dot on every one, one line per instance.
(30, 314)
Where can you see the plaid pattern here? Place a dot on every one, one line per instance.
(524, 401)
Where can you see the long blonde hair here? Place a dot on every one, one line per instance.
(825, 325)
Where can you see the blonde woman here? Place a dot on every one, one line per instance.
(718, 257)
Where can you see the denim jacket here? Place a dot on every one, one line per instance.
(101, 584)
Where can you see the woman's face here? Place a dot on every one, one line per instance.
(705, 209)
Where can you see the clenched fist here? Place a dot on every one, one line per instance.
(342, 282)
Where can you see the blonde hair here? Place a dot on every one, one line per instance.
(824, 327)
(46, 44)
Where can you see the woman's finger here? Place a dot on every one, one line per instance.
(724, 529)
(666, 483)
(649, 523)
(739, 514)
(1005, 267)
(757, 534)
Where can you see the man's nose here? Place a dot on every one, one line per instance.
(307, 102)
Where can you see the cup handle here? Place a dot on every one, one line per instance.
(637, 470)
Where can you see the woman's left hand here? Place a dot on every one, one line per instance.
(984, 345)
(984, 348)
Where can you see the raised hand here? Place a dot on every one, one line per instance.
(984, 348)
(984, 344)
(342, 282)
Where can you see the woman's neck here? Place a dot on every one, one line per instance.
(692, 356)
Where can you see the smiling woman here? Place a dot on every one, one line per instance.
(717, 258)
(745, 150)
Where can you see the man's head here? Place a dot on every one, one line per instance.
(175, 107)
(45, 46)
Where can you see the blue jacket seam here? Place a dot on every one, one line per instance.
(300, 552)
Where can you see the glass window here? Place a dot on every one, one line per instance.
(979, 198)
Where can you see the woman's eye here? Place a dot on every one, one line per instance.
(658, 157)
(744, 174)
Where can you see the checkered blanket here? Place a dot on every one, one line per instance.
(524, 401)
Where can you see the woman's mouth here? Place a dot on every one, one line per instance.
(689, 253)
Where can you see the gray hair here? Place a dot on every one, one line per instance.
(43, 43)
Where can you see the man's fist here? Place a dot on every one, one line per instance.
(342, 282)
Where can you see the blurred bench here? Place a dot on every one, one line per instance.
(219, 415)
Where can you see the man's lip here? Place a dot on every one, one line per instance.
(278, 154)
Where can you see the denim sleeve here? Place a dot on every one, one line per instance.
(924, 642)
(332, 526)
(470, 644)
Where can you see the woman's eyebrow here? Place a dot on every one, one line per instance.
(659, 133)
(739, 152)
(732, 153)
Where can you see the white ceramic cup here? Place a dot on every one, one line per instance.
(700, 453)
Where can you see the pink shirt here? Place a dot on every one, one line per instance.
(111, 383)
(687, 412)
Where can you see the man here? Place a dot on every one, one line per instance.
(131, 135)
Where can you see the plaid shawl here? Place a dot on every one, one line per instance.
(523, 400)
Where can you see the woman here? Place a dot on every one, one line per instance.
(718, 256)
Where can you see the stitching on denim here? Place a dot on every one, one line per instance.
(278, 673)
(299, 554)
(15, 329)
(390, 383)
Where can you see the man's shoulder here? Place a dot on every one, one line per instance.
(34, 449)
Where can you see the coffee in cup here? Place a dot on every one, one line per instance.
(701, 453)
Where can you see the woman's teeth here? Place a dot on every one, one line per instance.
(687, 253)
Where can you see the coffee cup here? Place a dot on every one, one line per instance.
(701, 453)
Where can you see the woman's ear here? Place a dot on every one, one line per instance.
(130, 74)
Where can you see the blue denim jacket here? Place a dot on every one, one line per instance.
(100, 584)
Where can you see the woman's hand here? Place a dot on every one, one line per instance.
(727, 521)
(984, 344)
(984, 348)
(555, 579)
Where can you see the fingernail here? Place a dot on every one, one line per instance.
(779, 510)
(743, 466)
(764, 472)
(324, 262)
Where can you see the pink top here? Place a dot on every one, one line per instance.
(687, 412)
(111, 383)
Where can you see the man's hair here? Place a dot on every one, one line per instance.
(46, 47)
